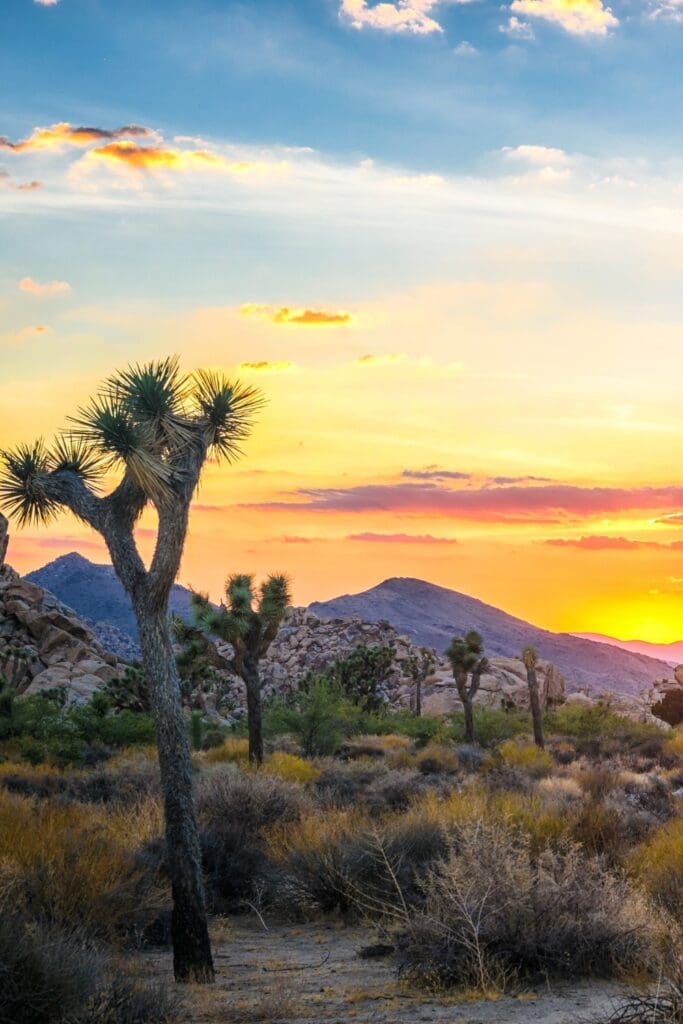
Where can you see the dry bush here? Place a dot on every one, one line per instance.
(558, 792)
(235, 809)
(291, 768)
(233, 750)
(493, 912)
(126, 783)
(78, 866)
(438, 759)
(658, 865)
(517, 754)
(673, 746)
(375, 788)
(375, 746)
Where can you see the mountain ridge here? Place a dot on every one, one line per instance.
(430, 615)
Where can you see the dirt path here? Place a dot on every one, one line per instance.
(279, 976)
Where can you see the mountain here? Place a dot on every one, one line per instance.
(671, 653)
(430, 615)
(96, 595)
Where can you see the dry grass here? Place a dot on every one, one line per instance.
(291, 768)
(76, 865)
(233, 750)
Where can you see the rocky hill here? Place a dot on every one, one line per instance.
(430, 615)
(42, 643)
(98, 598)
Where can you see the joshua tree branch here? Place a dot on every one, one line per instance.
(67, 489)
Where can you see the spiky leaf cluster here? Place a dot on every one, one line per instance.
(142, 420)
(465, 653)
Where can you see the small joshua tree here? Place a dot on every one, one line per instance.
(156, 427)
(419, 667)
(530, 659)
(466, 655)
(250, 625)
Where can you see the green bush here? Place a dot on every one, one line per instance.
(420, 728)
(48, 729)
(491, 726)
(321, 718)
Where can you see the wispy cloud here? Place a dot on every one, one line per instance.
(287, 315)
(434, 473)
(264, 366)
(600, 543)
(578, 17)
(149, 158)
(517, 28)
(400, 538)
(27, 284)
(411, 16)
(65, 134)
(388, 359)
(46, 3)
(545, 503)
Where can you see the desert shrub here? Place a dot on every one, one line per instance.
(291, 768)
(320, 718)
(50, 977)
(438, 758)
(597, 782)
(363, 674)
(128, 784)
(346, 862)
(233, 750)
(525, 757)
(658, 865)
(673, 746)
(420, 728)
(48, 729)
(77, 866)
(600, 732)
(345, 785)
(375, 745)
(491, 725)
(493, 912)
(235, 810)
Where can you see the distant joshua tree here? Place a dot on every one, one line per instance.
(419, 667)
(157, 427)
(250, 625)
(530, 659)
(466, 656)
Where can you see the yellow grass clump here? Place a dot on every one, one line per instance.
(291, 768)
(658, 865)
(526, 757)
(234, 750)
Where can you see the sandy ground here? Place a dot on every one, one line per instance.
(292, 975)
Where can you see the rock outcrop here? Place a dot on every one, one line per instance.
(307, 643)
(44, 645)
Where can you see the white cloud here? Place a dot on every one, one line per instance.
(46, 3)
(666, 10)
(543, 155)
(517, 28)
(412, 16)
(27, 284)
(465, 49)
(578, 17)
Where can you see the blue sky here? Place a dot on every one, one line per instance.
(438, 234)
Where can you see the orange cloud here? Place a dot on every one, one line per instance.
(263, 366)
(285, 315)
(27, 284)
(385, 360)
(579, 17)
(400, 538)
(65, 134)
(142, 158)
(598, 543)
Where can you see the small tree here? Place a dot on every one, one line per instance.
(419, 667)
(530, 659)
(466, 655)
(157, 427)
(250, 626)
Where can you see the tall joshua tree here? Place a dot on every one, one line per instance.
(250, 623)
(156, 427)
(466, 655)
(530, 659)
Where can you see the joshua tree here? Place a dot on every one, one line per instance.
(156, 427)
(419, 666)
(530, 659)
(466, 656)
(250, 625)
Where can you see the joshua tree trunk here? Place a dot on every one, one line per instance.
(535, 705)
(466, 698)
(252, 682)
(192, 959)
(418, 697)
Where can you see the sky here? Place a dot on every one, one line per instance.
(444, 238)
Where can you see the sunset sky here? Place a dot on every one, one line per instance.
(445, 239)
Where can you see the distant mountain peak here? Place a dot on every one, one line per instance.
(431, 614)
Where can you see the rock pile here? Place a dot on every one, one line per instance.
(43, 644)
(307, 643)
